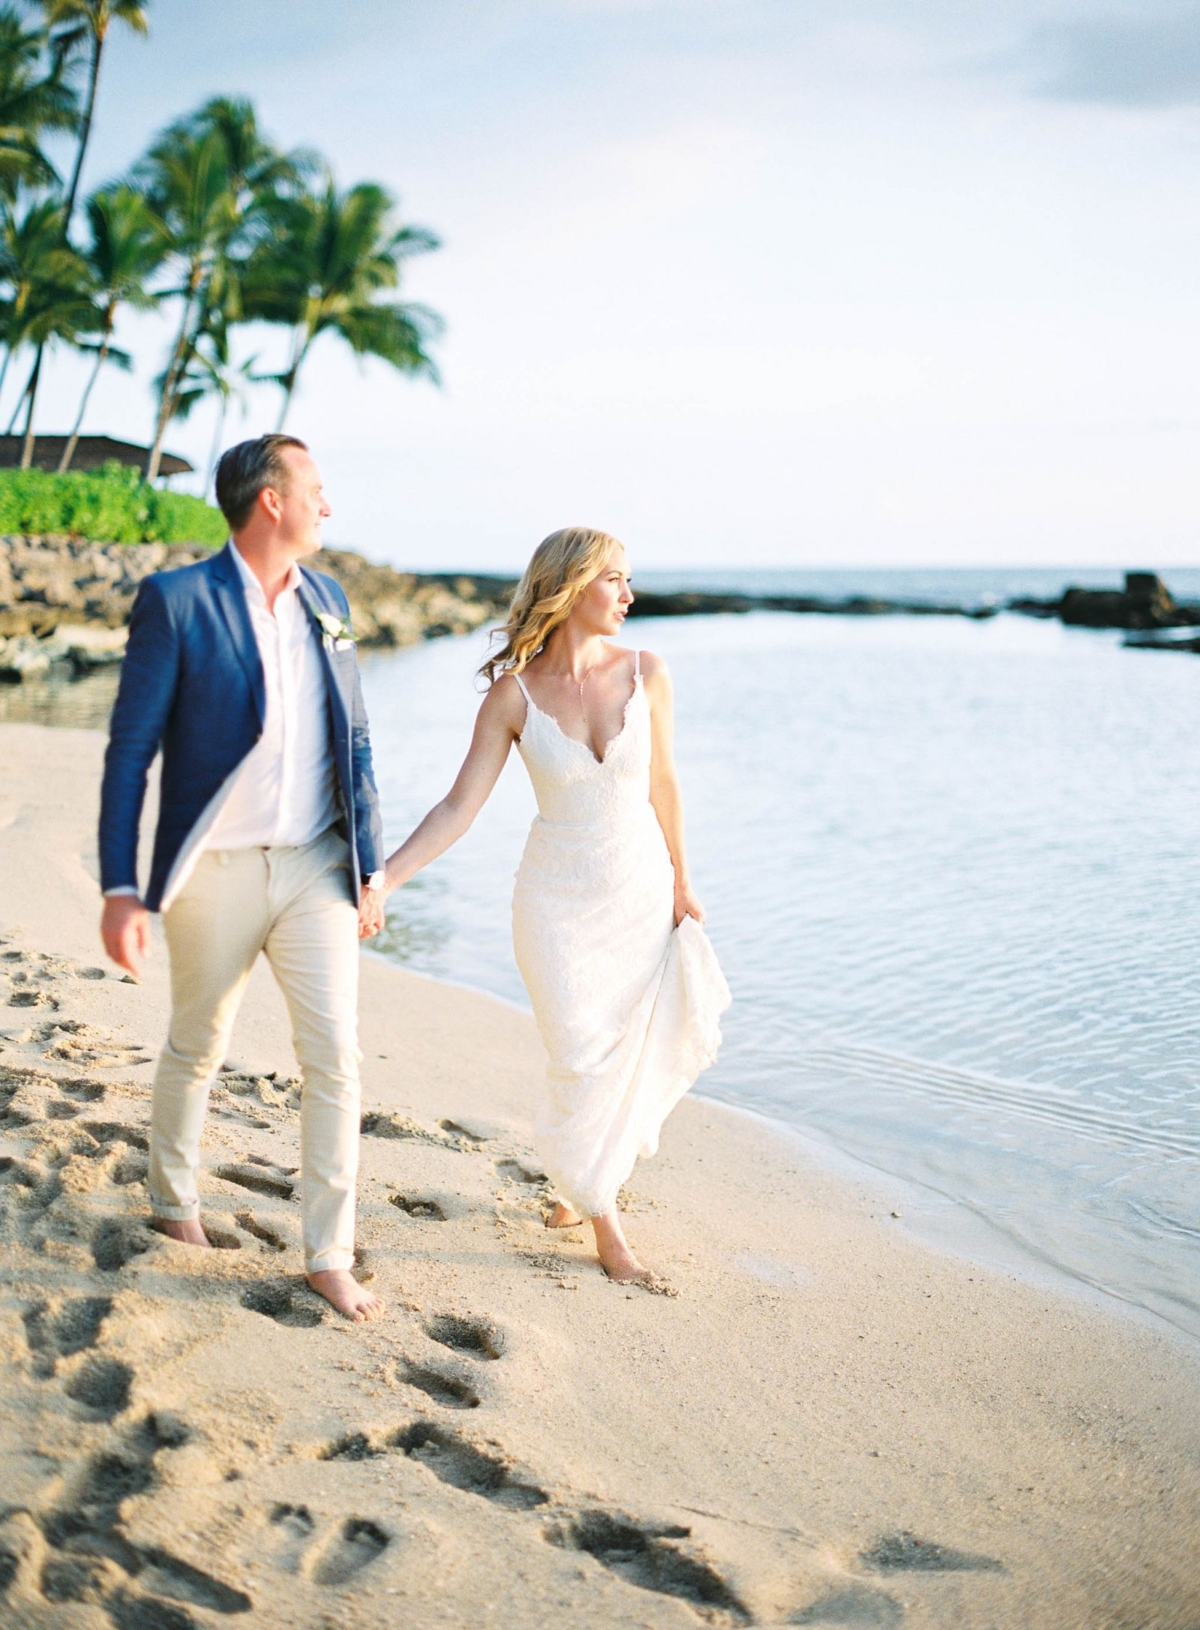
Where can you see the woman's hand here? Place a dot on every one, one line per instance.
(370, 911)
(686, 903)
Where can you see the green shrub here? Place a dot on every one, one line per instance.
(109, 505)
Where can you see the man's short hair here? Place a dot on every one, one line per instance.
(246, 469)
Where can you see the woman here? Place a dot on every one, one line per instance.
(624, 985)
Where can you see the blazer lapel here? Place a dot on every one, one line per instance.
(334, 673)
(231, 597)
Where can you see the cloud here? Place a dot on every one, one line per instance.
(1149, 58)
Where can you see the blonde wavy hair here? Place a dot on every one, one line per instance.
(562, 567)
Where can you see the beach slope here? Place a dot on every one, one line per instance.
(830, 1424)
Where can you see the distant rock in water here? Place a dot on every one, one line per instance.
(697, 603)
(1144, 603)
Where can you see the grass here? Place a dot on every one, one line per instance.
(109, 505)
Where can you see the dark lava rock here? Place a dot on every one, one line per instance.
(1144, 602)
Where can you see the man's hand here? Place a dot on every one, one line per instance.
(370, 912)
(125, 930)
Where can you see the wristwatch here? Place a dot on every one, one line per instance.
(376, 881)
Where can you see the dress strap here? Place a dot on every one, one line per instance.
(637, 666)
(521, 682)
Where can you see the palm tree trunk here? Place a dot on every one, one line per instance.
(85, 129)
(64, 463)
(288, 389)
(299, 351)
(16, 412)
(216, 443)
(166, 401)
(28, 446)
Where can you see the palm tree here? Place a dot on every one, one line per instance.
(75, 23)
(51, 294)
(213, 179)
(127, 246)
(30, 256)
(322, 269)
(32, 100)
(211, 372)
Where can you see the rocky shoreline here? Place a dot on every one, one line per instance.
(65, 603)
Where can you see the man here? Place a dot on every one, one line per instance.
(242, 670)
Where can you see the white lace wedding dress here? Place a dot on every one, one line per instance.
(627, 1004)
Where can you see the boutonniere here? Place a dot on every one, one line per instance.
(336, 633)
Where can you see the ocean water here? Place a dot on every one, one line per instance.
(952, 870)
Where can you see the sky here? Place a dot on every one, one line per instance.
(745, 282)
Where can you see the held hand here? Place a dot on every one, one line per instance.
(125, 930)
(370, 913)
(686, 904)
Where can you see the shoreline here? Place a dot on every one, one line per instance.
(65, 603)
(936, 1218)
(834, 1423)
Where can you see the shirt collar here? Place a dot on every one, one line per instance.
(253, 588)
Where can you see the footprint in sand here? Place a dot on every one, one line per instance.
(464, 1466)
(285, 1303)
(451, 1459)
(108, 1133)
(118, 1241)
(904, 1552)
(424, 1209)
(352, 1546)
(271, 1238)
(83, 1090)
(102, 1386)
(387, 1124)
(36, 996)
(478, 1338)
(519, 1171)
(74, 1042)
(85, 1556)
(448, 1390)
(31, 978)
(295, 1526)
(476, 1131)
(59, 1329)
(336, 1556)
(259, 1178)
(649, 1557)
(272, 1092)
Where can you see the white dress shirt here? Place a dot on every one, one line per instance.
(285, 790)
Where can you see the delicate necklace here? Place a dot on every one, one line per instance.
(582, 683)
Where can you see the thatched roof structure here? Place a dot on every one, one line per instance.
(90, 454)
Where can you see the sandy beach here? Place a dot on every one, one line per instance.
(832, 1423)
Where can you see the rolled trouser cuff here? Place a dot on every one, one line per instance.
(328, 1261)
(175, 1213)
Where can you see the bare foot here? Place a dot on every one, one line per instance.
(342, 1291)
(563, 1216)
(187, 1233)
(617, 1260)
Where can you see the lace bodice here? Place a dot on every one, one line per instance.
(572, 786)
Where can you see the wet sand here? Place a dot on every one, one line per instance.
(831, 1424)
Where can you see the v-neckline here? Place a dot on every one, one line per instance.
(586, 746)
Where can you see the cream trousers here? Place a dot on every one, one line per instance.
(296, 905)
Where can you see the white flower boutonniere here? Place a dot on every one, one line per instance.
(336, 633)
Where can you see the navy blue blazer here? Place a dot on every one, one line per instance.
(192, 684)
